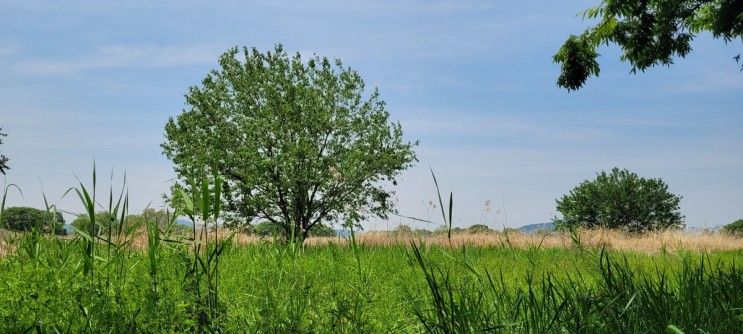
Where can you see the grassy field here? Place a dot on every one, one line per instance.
(147, 283)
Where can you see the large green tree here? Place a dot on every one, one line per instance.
(620, 200)
(298, 141)
(649, 32)
(3, 160)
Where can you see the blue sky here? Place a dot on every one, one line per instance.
(472, 80)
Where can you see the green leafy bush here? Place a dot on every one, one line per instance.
(735, 228)
(479, 228)
(322, 230)
(620, 200)
(443, 229)
(102, 221)
(403, 229)
(406, 229)
(25, 219)
(268, 228)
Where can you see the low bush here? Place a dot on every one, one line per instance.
(479, 228)
(268, 229)
(26, 218)
(103, 221)
(734, 228)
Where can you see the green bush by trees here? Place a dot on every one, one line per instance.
(267, 229)
(25, 219)
(734, 228)
(322, 230)
(650, 33)
(103, 219)
(620, 200)
(161, 217)
(476, 228)
(479, 228)
(299, 142)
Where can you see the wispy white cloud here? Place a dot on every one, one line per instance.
(499, 123)
(496, 127)
(9, 50)
(124, 56)
(709, 81)
(373, 7)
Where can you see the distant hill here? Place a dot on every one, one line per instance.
(531, 228)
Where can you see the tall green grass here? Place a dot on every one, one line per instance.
(266, 288)
(98, 281)
(699, 296)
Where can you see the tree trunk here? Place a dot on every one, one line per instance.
(305, 227)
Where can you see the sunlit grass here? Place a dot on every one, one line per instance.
(120, 277)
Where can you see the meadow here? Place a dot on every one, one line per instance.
(148, 274)
(144, 281)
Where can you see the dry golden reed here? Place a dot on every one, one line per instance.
(5, 246)
(611, 239)
(669, 241)
(654, 242)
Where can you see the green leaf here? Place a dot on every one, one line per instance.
(187, 201)
(674, 330)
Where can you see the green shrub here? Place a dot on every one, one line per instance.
(443, 229)
(734, 228)
(620, 200)
(268, 228)
(102, 221)
(25, 219)
(321, 230)
(406, 229)
(479, 228)
(403, 229)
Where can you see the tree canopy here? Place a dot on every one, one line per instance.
(161, 217)
(26, 218)
(650, 33)
(479, 228)
(3, 160)
(620, 200)
(103, 221)
(298, 141)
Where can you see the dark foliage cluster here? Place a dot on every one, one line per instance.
(650, 33)
(734, 228)
(26, 218)
(620, 200)
(270, 229)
